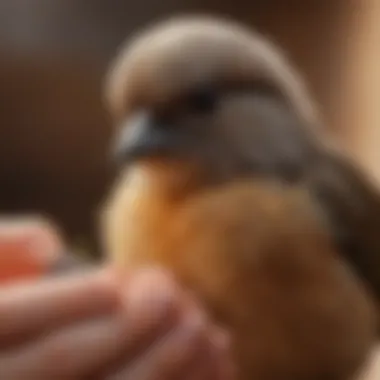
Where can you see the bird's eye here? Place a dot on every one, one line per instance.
(202, 100)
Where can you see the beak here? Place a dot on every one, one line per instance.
(143, 136)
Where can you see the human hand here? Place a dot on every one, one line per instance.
(29, 247)
(93, 325)
(89, 326)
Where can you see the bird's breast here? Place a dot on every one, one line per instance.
(258, 258)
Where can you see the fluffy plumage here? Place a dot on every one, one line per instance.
(227, 180)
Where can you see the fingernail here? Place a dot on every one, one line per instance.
(226, 370)
(150, 294)
(229, 371)
(194, 318)
(220, 338)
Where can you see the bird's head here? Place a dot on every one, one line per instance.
(212, 95)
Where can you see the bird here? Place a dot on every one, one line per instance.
(228, 178)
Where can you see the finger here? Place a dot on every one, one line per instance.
(213, 362)
(28, 309)
(28, 245)
(222, 368)
(77, 351)
(170, 356)
(151, 308)
(202, 367)
(60, 355)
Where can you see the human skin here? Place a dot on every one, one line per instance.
(98, 325)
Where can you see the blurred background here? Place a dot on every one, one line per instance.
(54, 54)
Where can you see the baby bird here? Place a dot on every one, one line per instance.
(228, 180)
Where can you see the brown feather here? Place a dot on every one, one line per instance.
(250, 226)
